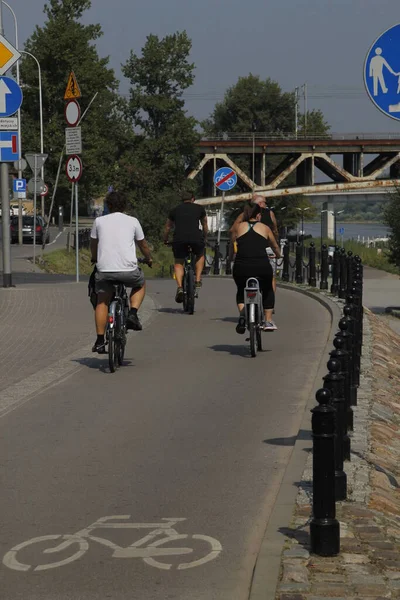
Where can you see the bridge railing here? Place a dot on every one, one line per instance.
(259, 136)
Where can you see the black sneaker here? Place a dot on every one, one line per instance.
(179, 295)
(99, 347)
(198, 284)
(132, 322)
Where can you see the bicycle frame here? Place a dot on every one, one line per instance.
(119, 296)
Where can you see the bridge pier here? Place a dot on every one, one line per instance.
(395, 170)
(328, 220)
(208, 179)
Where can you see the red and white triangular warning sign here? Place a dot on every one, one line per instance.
(72, 90)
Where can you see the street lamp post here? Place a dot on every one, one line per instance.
(40, 116)
(20, 239)
(302, 221)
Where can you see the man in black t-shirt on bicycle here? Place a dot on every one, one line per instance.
(186, 219)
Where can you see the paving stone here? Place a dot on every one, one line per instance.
(296, 552)
(329, 577)
(291, 597)
(354, 558)
(371, 590)
(294, 587)
(324, 567)
(331, 589)
(392, 574)
(294, 573)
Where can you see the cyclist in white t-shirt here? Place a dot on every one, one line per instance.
(113, 246)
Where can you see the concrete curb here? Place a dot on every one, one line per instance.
(267, 568)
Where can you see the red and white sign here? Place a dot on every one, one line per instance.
(46, 190)
(72, 113)
(74, 168)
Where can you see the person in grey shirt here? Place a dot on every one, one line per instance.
(113, 247)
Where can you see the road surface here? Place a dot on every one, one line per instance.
(188, 442)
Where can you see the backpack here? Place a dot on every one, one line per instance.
(92, 288)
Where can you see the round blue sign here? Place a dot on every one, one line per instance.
(10, 96)
(225, 179)
(382, 72)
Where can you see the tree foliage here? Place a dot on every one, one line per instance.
(63, 45)
(392, 219)
(153, 168)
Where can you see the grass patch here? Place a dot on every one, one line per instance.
(372, 257)
(62, 262)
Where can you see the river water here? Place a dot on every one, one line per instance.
(351, 230)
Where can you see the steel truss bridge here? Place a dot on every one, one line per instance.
(366, 162)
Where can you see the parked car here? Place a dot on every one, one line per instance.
(27, 230)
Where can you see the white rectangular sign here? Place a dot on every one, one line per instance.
(20, 195)
(73, 140)
(8, 123)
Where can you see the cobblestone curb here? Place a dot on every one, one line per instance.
(368, 566)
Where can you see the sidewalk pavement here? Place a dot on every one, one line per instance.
(46, 322)
(368, 565)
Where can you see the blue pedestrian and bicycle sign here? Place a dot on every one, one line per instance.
(225, 179)
(10, 96)
(382, 72)
(341, 230)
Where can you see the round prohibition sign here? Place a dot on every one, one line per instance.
(72, 113)
(74, 168)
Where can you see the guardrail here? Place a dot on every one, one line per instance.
(258, 135)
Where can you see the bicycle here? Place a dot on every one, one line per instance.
(148, 548)
(116, 332)
(254, 314)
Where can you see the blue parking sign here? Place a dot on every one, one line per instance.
(382, 72)
(19, 185)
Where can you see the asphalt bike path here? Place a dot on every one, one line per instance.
(181, 452)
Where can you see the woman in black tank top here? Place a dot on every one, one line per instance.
(253, 239)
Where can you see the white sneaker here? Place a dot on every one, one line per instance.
(270, 326)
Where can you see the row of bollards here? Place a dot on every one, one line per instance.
(333, 418)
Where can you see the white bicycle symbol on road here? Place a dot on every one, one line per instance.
(148, 547)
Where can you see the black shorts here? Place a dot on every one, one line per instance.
(181, 249)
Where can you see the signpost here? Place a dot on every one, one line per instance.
(225, 180)
(382, 72)
(35, 186)
(73, 145)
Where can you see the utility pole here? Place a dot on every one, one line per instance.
(296, 110)
(305, 108)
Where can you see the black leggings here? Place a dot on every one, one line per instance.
(241, 273)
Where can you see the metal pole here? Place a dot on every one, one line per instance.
(334, 221)
(305, 109)
(76, 233)
(71, 215)
(20, 240)
(34, 213)
(1, 18)
(40, 114)
(296, 107)
(5, 223)
(254, 150)
(221, 217)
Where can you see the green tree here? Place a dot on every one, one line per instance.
(316, 124)
(392, 219)
(288, 210)
(153, 169)
(252, 104)
(63, 45)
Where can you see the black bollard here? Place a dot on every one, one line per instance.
(334, 382)
(286, 262)
(216, 259)
(299, 263)
(312, 274)
(324, 527)
(324, 268)
(350, 347)
(335, 272)
(342, 274)
(357, 300)
(352, 328)
(340, 354)
(349, 268)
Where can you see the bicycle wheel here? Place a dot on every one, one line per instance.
(203, 549)
(259, 339)
(184, 285)
(120, 337)
(190, 291)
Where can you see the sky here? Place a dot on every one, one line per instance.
(319, 42)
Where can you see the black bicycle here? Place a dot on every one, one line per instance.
(116, 331)
(189, 286)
